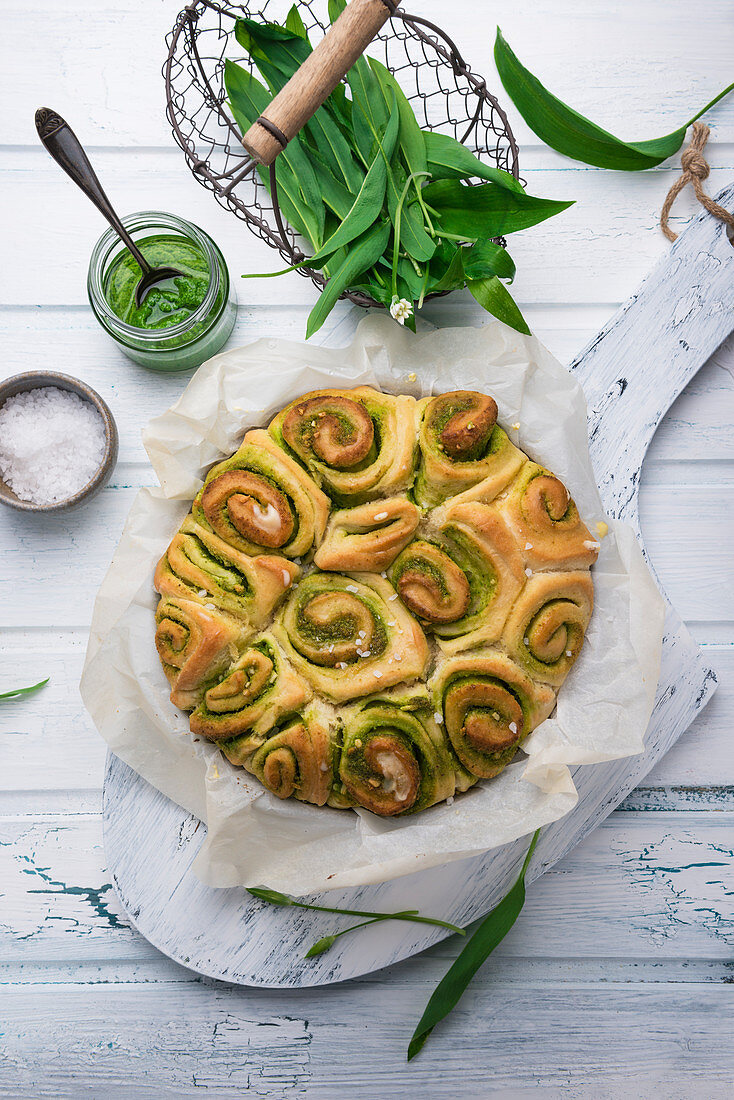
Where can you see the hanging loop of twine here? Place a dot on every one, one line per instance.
(695, 170)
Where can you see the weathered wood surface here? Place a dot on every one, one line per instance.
(617, 981)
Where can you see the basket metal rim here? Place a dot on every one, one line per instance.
(448, 50)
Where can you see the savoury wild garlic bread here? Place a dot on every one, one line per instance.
(374, 601)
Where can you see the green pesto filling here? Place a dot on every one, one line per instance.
(472, 678)
(369, 460)
(305, 456)
(528, 629)
(225, 573)
(168, 302)
(570, 517)
(501, 755)
(345, 431)
(342, 629)
(483, 584)
(426, 568)
(223, 716)
(353, 761)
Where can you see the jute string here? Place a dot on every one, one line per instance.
(695, 170)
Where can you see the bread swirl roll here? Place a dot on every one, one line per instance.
(462, 585)
(350, 635)
(200, 566)
(260, 500)
(357, 444)
(462, 447)
(545, 629)
(297, 761)
(256, 691)
(368, 537)
(489, 706)
(195, 643)
(539, 511)
(394, 761)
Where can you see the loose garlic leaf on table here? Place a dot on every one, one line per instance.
(570, 133)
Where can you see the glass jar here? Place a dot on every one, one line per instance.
(188, 343)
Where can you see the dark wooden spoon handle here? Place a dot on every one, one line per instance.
(66, 149)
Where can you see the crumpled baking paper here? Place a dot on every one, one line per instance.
(254, 838)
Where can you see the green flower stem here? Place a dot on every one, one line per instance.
(396, 229)
(276, 898)
(416, 267)
(323, 945)
(426, 276)
(424, 208)
(454, 237)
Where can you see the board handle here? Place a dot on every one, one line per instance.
(646, 355)
(317, 77)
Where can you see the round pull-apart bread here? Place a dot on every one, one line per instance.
(375, 601)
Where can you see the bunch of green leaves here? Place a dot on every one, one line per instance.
(384, 205)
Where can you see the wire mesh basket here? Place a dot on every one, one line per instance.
(443, 91)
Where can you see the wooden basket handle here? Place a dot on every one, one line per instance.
(317, 77)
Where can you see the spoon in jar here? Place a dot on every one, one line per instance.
(65, 147)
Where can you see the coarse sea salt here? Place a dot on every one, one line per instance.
(52, 443)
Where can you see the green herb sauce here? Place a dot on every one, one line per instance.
(169, 302)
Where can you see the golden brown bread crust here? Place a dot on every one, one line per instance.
(367, 537)
(375, 601)
(195, 642)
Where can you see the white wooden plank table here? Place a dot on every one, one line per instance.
(617, 981)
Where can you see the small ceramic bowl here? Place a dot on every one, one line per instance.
(33, 380)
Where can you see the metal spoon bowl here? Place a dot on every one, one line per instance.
(65, 147)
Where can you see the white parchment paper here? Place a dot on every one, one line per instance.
(254, 838)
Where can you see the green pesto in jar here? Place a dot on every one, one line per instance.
(169, 302)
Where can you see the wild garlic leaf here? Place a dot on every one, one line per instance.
(486, 210)
(369, 110)
(453, 276)
(17, 693)
(380, 293)
(488, 935)
(363, 253)
(363, 213)
(336, 7)
(449, 159)
(486, 258)
(295, 24)
(335, 193)
(570, 133)
(414, 238)
(494, 296)
(411, 139)
(482, 260)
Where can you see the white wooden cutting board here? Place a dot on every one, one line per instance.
(631, 373)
